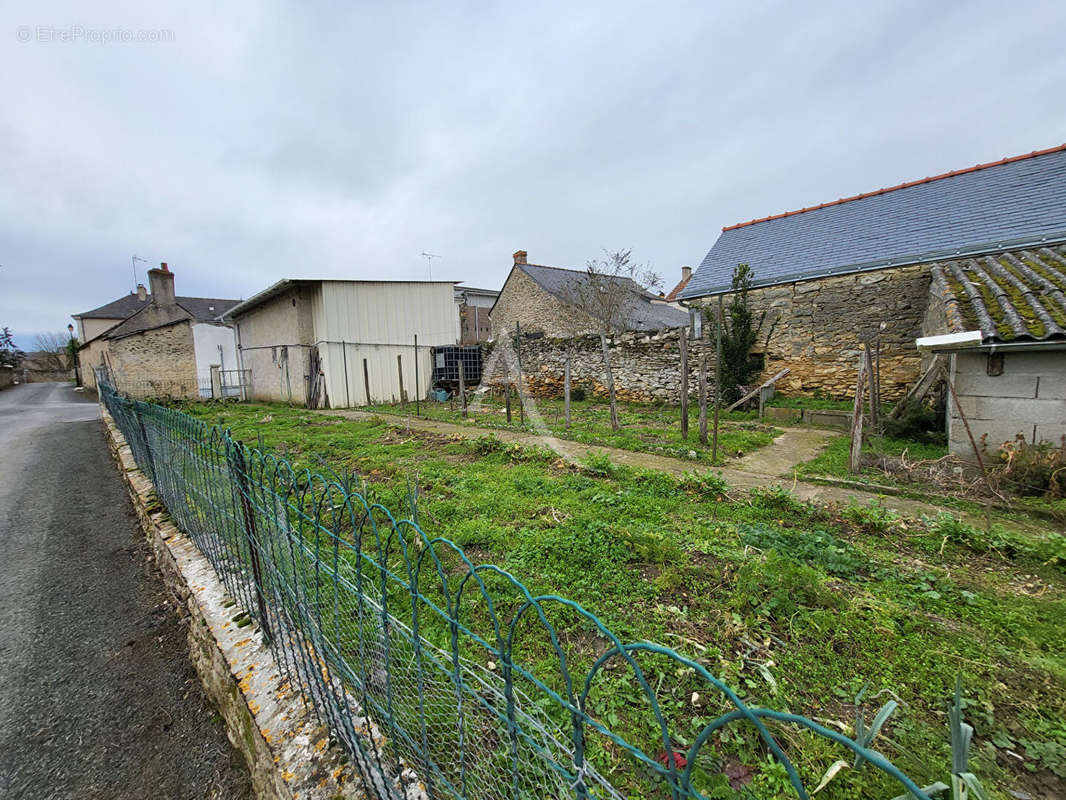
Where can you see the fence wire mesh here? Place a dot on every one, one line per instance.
(440, 677)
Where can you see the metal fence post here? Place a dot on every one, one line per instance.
(250, 536)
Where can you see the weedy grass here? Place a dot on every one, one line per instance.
(645, 428)
(795, 605)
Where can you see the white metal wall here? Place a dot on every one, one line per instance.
(377, 321)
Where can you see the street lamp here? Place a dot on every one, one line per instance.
(74, 355)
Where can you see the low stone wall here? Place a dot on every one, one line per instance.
(646, 366)
(286, 749)
(49, 375)
(7, 377)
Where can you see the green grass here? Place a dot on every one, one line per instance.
(823, 600)
(644, 428)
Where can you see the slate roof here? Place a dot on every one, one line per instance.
(645, 312)
(203, 309)
(1019, 201)
(1016, 295)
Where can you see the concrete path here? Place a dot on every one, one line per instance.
(98, 697)
(798, 445)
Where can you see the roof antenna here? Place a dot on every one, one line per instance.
(133, 260)
(429, 261)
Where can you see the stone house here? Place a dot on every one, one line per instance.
(1000, 321)
(165, 346)
(541, 300)
(341, 343)
(833, 276)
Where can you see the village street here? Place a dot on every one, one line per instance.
(98, 697)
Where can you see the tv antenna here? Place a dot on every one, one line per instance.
(133, 260)
(429, 261)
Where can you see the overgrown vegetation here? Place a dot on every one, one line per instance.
(644, 428)
(740, 331)
(797, 606)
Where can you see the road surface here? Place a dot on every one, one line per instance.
(98, 698)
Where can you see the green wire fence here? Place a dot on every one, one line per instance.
(440, 677)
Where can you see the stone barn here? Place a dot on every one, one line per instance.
(832, 276)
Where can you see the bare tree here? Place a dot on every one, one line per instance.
(54, 350)
(609, 293)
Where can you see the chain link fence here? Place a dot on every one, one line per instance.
(440, 677)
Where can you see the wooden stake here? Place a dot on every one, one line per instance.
(717, 378)
(507, 399)
(518, 357)
(566, 390)
(683, 344)
(872, 377)
(418, 392)
(462, 384)
(854, 457)
(703, 399)
(366, 382)
(399, 373)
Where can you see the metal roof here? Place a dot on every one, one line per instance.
(1018, 201)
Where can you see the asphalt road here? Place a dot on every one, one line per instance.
(98, 698)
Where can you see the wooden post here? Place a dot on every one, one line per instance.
(518, 357)
(462, 383)
(703, 399)
(854, 457)
(566, 390)
(418, 392)
(717, 378)
(683, 344)
(347, 395)
(399, 374)
(872, 379)
(507, 400)
(366, 382)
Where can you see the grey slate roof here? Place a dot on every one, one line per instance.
(1008, 296)
(1014, 202)
(644, 313)
(203, 309)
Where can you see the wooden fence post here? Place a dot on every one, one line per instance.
(518, 358)
(566, 390)
(875, 401)
(683, 344)
(717, 378)
(703, 399)
(854, 456)
(418, 391)
(507, 400)
(462, 384)
(399, 374)
(366, 382)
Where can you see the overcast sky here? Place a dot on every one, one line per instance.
(268, 140)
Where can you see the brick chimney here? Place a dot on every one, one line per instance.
(142, 293)
(686, 273)
(520, 256)
(161, 282)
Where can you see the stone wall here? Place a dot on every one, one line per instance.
(7, 377)
(815, 328)
(158, 362)
(522, 300)
(646, 366)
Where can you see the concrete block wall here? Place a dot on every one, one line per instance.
(274, 343)
(1028, 398)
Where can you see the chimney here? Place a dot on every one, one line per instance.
(520, 256)
(142, 293)
(686, 273)
(161, 282)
